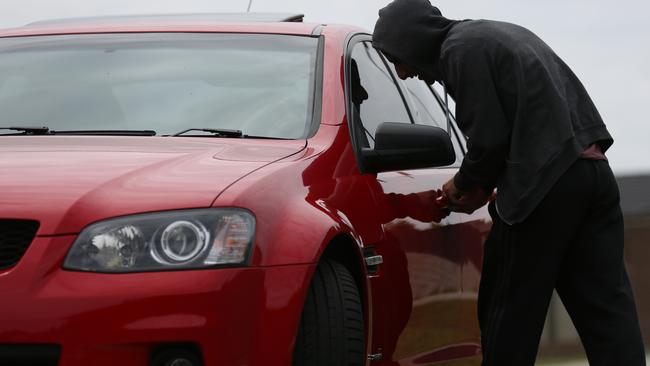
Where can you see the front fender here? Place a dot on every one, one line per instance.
(295, 224)
(301, 205)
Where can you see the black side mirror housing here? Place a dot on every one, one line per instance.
(404, 146)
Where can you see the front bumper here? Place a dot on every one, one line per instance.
(240, 316)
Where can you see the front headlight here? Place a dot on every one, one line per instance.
(186, 239)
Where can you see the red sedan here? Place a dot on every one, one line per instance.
(226, 190)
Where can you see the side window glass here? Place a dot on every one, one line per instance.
(452, 107)
(461, 138)
(440, 90)
(455, 140)
(427, 110)
(374, 95)
(457, 137)
(425, 107)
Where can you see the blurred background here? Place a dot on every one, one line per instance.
(604, 42)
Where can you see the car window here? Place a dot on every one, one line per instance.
(439, 90)
(424, 106)
(457, 138)
(458, 150)
(167, 82)
(374, 94)
(428, 110)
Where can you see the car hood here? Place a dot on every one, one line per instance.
(67, 182)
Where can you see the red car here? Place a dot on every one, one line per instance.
(226, 190)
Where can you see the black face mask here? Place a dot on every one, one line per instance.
(411, 32)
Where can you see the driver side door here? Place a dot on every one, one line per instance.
(421, 312)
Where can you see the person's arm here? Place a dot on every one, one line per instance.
(479, 114)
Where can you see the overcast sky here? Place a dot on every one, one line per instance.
(607, 43)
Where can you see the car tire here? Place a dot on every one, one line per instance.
(176, 356)
(331, 331)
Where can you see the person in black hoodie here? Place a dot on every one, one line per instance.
(534, 135)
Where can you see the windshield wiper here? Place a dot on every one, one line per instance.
(24, 130)
(105, 132)
(219, 132)
(222, 132)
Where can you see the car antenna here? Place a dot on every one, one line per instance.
(250, 2)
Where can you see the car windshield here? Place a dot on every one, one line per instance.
(259, 84)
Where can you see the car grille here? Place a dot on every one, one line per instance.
(15, 237)
(29, 354)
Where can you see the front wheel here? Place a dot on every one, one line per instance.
(331, 327)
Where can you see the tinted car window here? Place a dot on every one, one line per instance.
(260, 84)
(459, 140)
(374, 94)
(424, 106)
(455, 140)
(427, 110)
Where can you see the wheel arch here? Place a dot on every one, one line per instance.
(345, 249)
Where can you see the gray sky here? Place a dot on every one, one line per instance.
(607, 43)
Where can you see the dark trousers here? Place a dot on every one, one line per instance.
(572, 242)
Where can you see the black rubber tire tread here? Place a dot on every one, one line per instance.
(164, 357)
(331, 328)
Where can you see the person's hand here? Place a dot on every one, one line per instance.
(428, 206)
(424, 206)
(465, 202)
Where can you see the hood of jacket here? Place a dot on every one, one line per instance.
(412, 31)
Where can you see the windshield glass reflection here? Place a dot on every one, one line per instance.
(167, 82)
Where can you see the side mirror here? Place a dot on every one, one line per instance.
(403, 146)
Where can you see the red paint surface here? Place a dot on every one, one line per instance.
(303, 194)
(102, 319)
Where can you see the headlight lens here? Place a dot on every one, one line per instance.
(180, 241)
(165, 241)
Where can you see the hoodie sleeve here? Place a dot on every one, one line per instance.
(469, 72)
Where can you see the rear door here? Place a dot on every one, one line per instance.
(421, 313)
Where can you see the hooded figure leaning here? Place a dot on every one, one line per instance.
(535, 136)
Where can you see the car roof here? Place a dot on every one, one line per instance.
(274, 23)
(208, 17)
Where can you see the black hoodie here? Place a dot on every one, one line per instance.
(526, 115)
